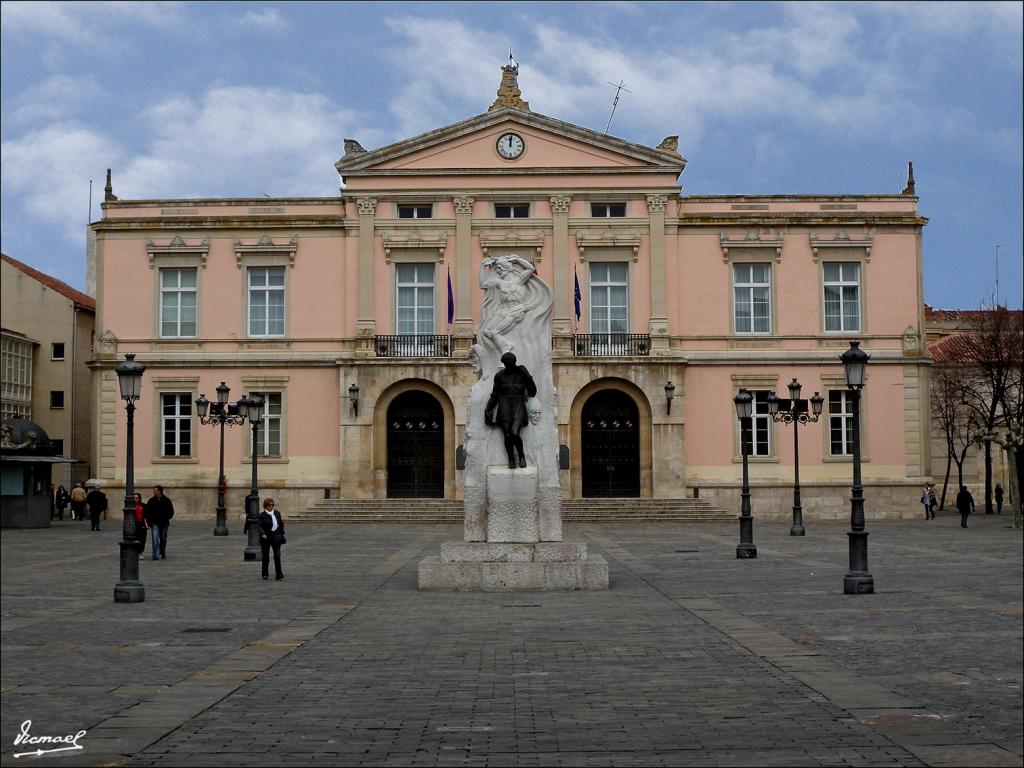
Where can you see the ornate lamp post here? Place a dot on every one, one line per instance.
(221, 412)
(744, 411)
(129, 589)
(858, 581)
(794, 411)
(252, 407)
(670, 392)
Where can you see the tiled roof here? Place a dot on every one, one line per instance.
(53, 283)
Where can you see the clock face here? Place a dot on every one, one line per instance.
(510, 145)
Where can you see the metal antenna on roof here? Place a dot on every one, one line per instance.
(90, 202)
(998, 246)
(618, 89)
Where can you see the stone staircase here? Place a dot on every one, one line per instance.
(450, 511)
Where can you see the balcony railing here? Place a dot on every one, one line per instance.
(611, 344)
(413, 345)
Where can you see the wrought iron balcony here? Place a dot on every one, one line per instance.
(611, 344)
(413, 345)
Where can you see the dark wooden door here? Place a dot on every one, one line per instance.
(415, 447)
(610, 445)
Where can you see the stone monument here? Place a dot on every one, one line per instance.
(513, 514)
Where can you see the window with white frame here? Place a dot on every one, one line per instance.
(176, 424)
(419, 211)
(761, 425)
(842, 295)
(752, 298)
(607, 210)
(511, 210)
(840, 423)
(178, 302)
(609, 298)
(268, 434)
(266, 301)
(414, 299)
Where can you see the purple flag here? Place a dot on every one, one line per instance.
(451, 299)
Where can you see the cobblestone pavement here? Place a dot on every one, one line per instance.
(691, 658)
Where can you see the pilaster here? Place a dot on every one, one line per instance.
(366, 326)
(561, 325)
(659, 315)
(463, 327)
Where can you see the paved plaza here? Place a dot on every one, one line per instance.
(692, 657)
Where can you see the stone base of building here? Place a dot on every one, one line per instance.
(472, 566)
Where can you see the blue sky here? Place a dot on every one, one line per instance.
(247, 99)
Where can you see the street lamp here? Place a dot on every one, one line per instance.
(794, 411)
(129, 589)
(858, 581)
(353, 398)
(252, 407)
(670, 392)
(221, 412)
(744, 410)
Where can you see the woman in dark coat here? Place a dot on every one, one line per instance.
(965, 505)
(271, 537)
(63, 498)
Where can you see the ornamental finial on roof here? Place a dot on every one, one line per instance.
(108, 190)
(911, 188)
(509, 95)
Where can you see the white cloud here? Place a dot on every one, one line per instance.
(56, 98)
(267, 20)
(48, 172)
(229, 142)
(87, 24)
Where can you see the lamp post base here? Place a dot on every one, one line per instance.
(129, 589)
(253, 551)
(220, 530)
(797, 530)
(858, 583)
(746, 552)
(129, 592)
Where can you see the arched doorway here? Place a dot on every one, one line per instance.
(610, 445)
(415, 446)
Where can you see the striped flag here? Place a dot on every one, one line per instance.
(576, 295)
(451, 299)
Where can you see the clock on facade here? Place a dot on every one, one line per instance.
(510, 145)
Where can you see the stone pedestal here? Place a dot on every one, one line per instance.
(512, 505)
(509, 567)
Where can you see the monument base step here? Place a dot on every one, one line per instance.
(512, 576)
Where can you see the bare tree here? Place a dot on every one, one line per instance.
(993, 355)
(956, 418)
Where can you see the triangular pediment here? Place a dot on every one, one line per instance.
(469, 145)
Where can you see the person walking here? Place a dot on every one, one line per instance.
(96, 501)
(77, 502)
(928, 500)
(61, 499)
(965, 505)
(141, 526)
(271, 537)
(159, 511)
(999, 498)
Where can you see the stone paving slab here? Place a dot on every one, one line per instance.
(691, 658)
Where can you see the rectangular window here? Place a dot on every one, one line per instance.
(752, 301)
(266, 301)
(57, 350)
(840, 423)
(414, 302)
(842, 296)
(415, 211)
(178, 302)
(609, 299)
(176, 424)
(607, 210)
(761, 426)
(56, 398)
(510, 211)
(58, 446)
(268, 436)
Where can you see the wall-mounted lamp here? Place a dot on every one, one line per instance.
(353, 396)
(670, 392)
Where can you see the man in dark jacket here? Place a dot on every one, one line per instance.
(965, 505)
(506, 407)
(96, 501)
(159, 511)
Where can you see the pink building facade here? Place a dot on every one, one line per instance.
(336, 310)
